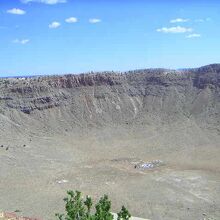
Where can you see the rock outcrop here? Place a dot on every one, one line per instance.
(99, 99)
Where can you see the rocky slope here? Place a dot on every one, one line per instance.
(101, 99)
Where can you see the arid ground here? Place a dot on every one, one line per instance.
(87, 132)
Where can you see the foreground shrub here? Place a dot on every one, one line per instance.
(79, 209)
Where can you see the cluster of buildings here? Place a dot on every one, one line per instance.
(13, 216)
(149, 165)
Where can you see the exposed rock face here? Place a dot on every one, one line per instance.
(140, 96)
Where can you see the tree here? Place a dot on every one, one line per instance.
(78, 209)
(103, 209)
(88, 204)
(74, 207)
(123, 214)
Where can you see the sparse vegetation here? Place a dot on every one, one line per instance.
(79, 209)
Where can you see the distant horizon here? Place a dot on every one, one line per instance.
(101, 71)
(69, 36)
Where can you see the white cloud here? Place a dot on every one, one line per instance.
(94, 20)
(16, 11)
(199, 20)
(54, 25)
(193, 36)
(174, 30)
(71, 20)
(48, 2)
(203, 20)
(22, 41)
(178, 20)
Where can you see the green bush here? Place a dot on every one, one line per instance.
(79, 209)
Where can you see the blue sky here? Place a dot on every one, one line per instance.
(73, 36)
